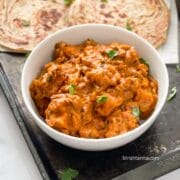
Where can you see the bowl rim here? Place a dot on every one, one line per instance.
(41, 121)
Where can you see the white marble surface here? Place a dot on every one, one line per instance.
(169, 51)
(174, 175)
(16, 161)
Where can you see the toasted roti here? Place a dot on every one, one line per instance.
(24, 23)
(148, 18)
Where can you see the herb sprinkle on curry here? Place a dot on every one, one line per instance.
(95, 90)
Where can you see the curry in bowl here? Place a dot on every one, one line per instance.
(94, 90)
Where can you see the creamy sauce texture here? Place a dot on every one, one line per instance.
(94, 90)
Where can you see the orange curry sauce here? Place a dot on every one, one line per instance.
(94, 90)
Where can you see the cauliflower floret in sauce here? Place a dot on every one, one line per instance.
(94, 90)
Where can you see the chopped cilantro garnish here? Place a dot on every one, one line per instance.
(102, 99)
(112, 53)
(68, 174)
(72, 89)
(68, 2)
(25, 23)
(27, 54)
(142, 60)
(172, 93)
(136, 112)
(178, 67)
(49, 79)
(128, 26)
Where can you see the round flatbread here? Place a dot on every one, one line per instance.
(148, 18)
(24, 23)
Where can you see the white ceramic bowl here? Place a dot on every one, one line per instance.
(102, 34)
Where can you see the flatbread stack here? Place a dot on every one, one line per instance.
(24, 23)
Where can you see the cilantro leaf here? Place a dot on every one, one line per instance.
(49, 78)
(142, 60)
(128, 26)
(72, 89)
(25, 23)
(112, 53)
(172, 93)
(102, 99)
(104, 1)
(178, 67)
(27, 54)
(68, 2)
(69, 174)
(136, 112)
